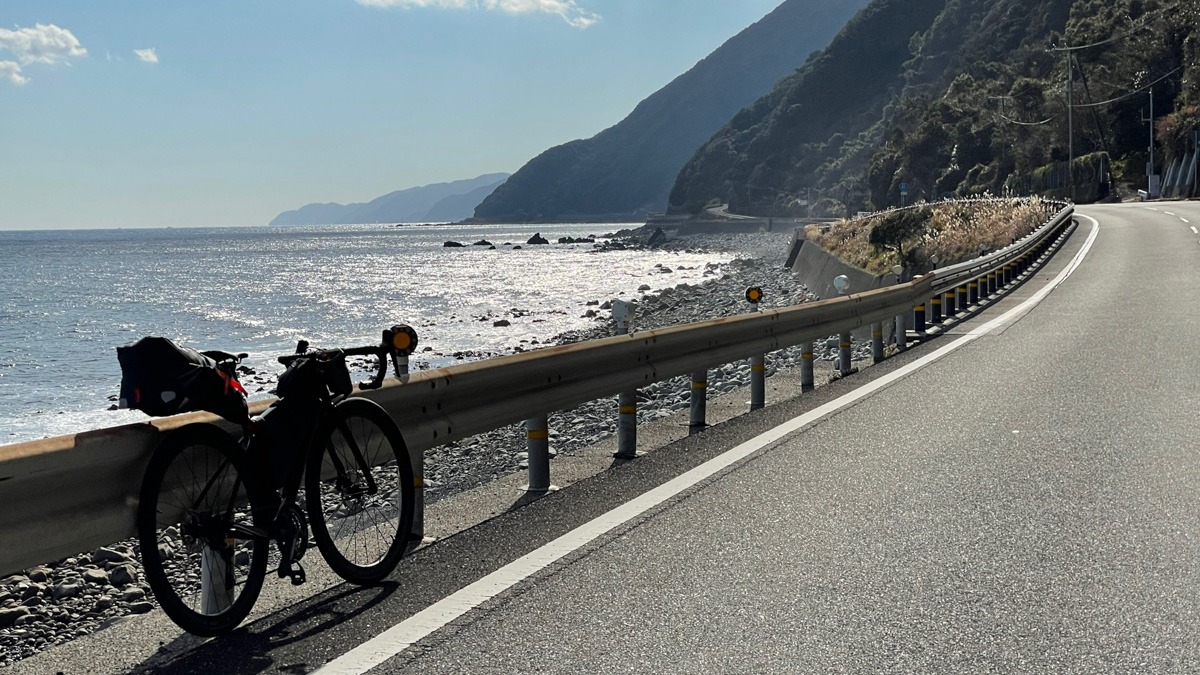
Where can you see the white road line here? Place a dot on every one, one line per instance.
(422, 624)
(1151, 208)
(1184, 219)
(1168, 213)
(1194, 231)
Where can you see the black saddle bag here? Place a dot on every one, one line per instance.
(161, 378)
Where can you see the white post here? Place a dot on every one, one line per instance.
(537, 441)
(626, 400)
(216, 580)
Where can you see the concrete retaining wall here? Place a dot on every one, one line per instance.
(817, 268)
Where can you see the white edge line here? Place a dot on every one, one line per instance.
(422, 624)
(1168, 213)
(1194, 230)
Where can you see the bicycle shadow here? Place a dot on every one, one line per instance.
(251, 649)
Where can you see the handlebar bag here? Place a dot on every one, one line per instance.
(161, 378)
(313, 378)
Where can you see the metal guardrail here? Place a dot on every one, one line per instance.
(65, 495)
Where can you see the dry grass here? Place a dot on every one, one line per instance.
(953, 232)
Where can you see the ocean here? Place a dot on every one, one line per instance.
(70, 298)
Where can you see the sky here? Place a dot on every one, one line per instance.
(180, 113)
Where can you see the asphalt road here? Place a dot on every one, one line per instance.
(1023, 502)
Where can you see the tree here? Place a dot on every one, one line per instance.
(898, 227)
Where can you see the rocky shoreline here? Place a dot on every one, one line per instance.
(54, 603)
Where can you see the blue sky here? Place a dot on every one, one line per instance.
(223, 113)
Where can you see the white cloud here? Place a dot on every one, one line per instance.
(567, 9)
(41, 44)
(11, 71)
(147, 55)
(48, 45)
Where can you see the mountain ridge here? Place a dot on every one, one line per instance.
(627, 170)
(438, 202)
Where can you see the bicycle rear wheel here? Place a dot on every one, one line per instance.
(359, 491)
(204, 559)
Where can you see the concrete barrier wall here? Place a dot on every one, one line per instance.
(816, 268)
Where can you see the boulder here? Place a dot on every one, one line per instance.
(501, 323)
(124, 574)
(537, 238)
(482, 242)
(657, 237)
(65, 590)
(453, 244)
(95, 577)
(106, 554)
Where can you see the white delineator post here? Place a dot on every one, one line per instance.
(537, 437)
(623, 313)
(758, 364)
(901, 328)
(216, 580)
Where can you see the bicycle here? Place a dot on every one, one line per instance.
(211, 505)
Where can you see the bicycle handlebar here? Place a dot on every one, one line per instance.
(398, 342)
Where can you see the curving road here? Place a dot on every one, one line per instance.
(1019, 495)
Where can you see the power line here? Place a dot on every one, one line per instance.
(1131, 93)
(1102, 42)
(1023, 124)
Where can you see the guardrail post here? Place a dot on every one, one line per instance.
(537, 436)
(964, 298)
(623, 312)
(699, 401)
(991, 282)
(844, 354)
(758, 382)
(974, 295)
(951, 308)
(806, 366)
(919, 318)
(216, 595)
(901, 333)
(626, 425)
(877, 342)
(936, 309)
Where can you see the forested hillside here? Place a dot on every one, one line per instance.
(627, 170)
(959, 98)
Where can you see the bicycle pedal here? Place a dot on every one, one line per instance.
(297, 575)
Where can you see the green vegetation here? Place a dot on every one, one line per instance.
(959, 98)
(953, 231)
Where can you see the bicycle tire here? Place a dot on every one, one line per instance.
(362, 535)
(196, 487)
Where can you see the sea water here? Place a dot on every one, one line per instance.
(69, 298)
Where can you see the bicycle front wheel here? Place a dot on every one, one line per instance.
(359, 491)
(204, 559)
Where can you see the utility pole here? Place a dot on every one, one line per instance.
(1150, 187)
(1070, 126)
